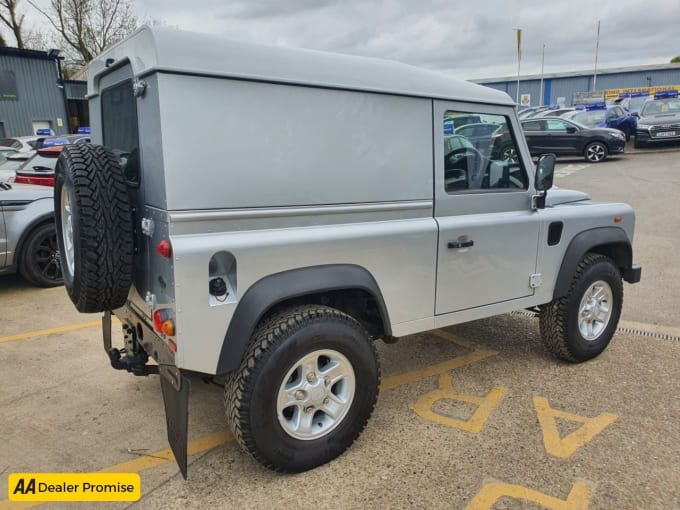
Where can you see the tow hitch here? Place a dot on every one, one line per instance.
(175, 386)
(135, 362)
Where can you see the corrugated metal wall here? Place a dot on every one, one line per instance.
(76, 89)
(38, 96)
(556, 87)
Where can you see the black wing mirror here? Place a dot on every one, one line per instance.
(543, 180)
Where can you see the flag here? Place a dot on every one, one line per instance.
(519, 44)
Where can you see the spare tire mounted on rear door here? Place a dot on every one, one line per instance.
(94, 227)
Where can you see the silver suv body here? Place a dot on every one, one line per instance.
(274, 257)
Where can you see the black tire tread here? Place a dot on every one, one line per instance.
(106, 246)
(553, 319)
(268, 333)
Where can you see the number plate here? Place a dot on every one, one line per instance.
(667, 133)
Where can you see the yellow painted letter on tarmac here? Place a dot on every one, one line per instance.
(565, 447)
(578, 498)
(485, 405)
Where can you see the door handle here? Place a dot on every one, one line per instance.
(454, 245)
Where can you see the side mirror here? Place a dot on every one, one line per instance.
(571, 129)
(545, 170)
(543, 180)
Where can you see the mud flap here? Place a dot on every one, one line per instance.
(175, 389)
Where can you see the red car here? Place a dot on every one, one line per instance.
(39, 169)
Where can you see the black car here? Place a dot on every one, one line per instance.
(567, 138)
(659, 120)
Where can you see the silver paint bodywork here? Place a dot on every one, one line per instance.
(21, 209)
(320, 159)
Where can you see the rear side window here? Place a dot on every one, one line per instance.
(119, 126)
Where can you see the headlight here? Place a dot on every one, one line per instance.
(640, 125)
(620, 136)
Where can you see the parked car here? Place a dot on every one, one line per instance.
(452, 123)
(504, 147)
(270, 267)
(632, 102)
(530, 111)
(21, 143)
(568, 138)
(28, 236)
(54, 141)
(480, 135)
(556, 112)
(12, 162)
(600, 115)
(659, 120)
(6, 151)
(39, 169)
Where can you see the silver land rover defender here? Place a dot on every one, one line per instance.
(264, 215)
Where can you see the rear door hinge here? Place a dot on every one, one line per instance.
(147, 227)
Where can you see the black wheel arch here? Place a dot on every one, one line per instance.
(610, 241)
(346, 287)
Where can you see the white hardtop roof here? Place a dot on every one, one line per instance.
(160, 49)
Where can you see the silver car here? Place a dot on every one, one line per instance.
(28, 239)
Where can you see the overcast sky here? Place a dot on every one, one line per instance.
(469, 38)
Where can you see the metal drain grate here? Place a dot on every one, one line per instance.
(621, 329)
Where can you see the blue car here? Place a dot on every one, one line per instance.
(632, 102)
(601, 115)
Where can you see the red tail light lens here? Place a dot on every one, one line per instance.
(164, 249)
(158, 321)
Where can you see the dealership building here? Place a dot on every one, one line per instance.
(570, 88)
(34, 96)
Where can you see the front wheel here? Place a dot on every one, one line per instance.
(305, 389)
(580, 325)
(596, 152)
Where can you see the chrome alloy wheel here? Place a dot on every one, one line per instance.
(67, 229)
(595, 152)
(595, 310)
(315, 395)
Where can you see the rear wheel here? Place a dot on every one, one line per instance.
(94, 227)
(39, 262)
(305, 389)
(596, 152)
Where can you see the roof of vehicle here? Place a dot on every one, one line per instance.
(161, 49)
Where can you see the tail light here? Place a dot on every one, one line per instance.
(163, 323)
(164, 249)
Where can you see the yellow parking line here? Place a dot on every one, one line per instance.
(206, 443)
(50, 331)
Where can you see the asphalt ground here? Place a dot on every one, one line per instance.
(472, 417)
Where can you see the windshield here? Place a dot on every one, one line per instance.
(589, 118)
(659, 106)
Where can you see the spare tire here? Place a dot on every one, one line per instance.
(94, 227)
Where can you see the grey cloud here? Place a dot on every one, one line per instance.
(473, 39)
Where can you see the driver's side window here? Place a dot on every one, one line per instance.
(480, 153)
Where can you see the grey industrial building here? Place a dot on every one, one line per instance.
(563, 88)
(33, 94)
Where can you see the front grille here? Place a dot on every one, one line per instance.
(665, 127)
